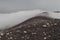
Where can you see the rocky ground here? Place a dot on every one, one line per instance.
(37, 28)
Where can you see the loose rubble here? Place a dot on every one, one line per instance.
(38, 28)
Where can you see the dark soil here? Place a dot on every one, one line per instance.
(37, 28)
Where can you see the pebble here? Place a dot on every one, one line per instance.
(25, 31)
(33, 33)
(7, 33)
(22, 37)
(49, 36)
(11, 38)
(55, 23)
(48, 24)
(44, 33)
(44, 25)
(45, 38)
(1, 34)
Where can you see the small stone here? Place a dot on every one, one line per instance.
(22, 37)
(29, 26)
(34, 24)
(18, 31)
(27, 37)
(25, 31)
(48, 24)
(1, 34)
(10, 32)
(52, 24)
(33, 33)
(45, 38)
(44, 33)
(10, 37)
(44, 25)
(55, 23)
(49, 36)
(7, 33)
(15, 38)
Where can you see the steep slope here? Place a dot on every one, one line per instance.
(36, 28)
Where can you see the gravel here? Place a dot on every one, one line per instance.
(36, 28)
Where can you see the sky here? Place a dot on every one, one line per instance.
(10, 20)
(7, 6)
